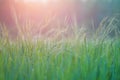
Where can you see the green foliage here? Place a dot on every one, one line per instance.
(87, 54)
(59, 60)
(76, 58)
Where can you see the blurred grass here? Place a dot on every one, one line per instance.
(79, 57)
(59, 60)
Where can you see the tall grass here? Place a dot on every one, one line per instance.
(75, 58)
(64, 60)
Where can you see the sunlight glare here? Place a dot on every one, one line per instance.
(36, 1)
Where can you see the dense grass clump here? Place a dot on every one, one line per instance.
(59, 60)
(61, 53)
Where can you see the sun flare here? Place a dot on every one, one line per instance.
(36, 1)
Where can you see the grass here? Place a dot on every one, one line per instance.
(78, 58)
(63, 60)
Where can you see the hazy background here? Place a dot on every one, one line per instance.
(63, 11)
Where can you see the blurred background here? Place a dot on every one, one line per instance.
(50, 13)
